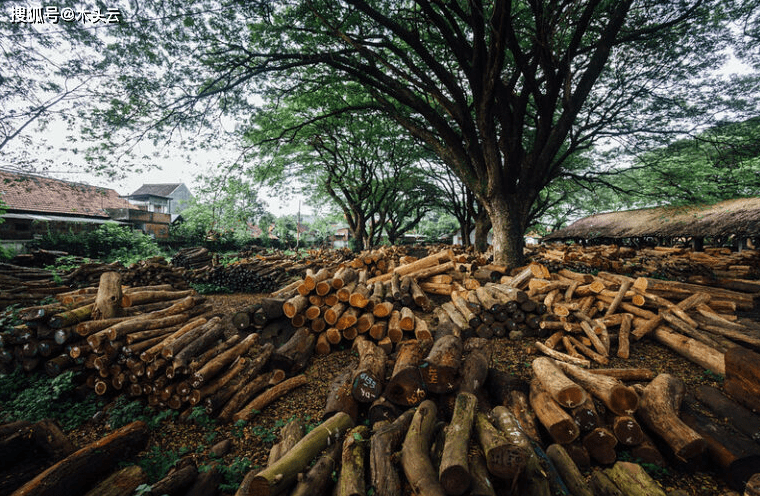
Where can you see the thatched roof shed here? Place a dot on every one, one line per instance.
(740, 217)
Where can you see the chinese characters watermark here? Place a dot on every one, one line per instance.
(53, 15)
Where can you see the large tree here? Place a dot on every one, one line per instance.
(502, 91)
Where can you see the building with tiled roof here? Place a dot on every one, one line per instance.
(35, 204)
(170, 198)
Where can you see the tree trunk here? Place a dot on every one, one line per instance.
(507, 223)
(176, 482)
(319, 477)
(633, 480)
(482, 226)
(568, 470)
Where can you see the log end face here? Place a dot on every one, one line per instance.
(455, 480)
(564, 432)
(624, 400)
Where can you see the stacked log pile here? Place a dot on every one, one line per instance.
(192, 258)
(599, 316)
(262, 274)
(152, 272)
(669, 262)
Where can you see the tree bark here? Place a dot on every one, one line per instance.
(508, 229)
(633, 480)
(290, 434)
(340, 397)
(742, 419)
(319, 477)
(268, 396)
(176, 482)
(293, 356)
(742, 370)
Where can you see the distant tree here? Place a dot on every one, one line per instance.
(359, 161)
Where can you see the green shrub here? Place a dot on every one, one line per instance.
(109, 242)
(37, 397)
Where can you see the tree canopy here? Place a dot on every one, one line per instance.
(504, 93)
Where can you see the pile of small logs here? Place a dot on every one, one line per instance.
(52, 336)
(696, 321)
(338, 306)
(41, 258)
(154, 271)
(252, 275)
(669, 262)
(192, 258)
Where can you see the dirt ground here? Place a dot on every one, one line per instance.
(253, 440)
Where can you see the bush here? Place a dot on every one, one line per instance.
(38, 397)
(109, 242)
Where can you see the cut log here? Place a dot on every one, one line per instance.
(474, 372)
(406, 387)
(296, 304)
(627, 430)
(244, 394)
(351, 477)
(603, 485)
(454, 474)
(78, 471)
(207, 483)
(214, 366)
(121, 483)
(564, 357)
(369, 377)
(736, 455)
(558, 423)
(568, 470)
(631, 374)
(415, 452)
(660, 404)
(739, 417)
(691, 349)
(108, 302)
(267, 397)
(176, 481)
(618, 397)
(519, 406)
(586, 416)
(293, 356)
(513, 459)
(564, 391)
(440, 369)
(319, 477)
(290, 434)
(340, 397)
(633, 480)
(742, 371)
(383, 444)
(279, 476)
(600, 444)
